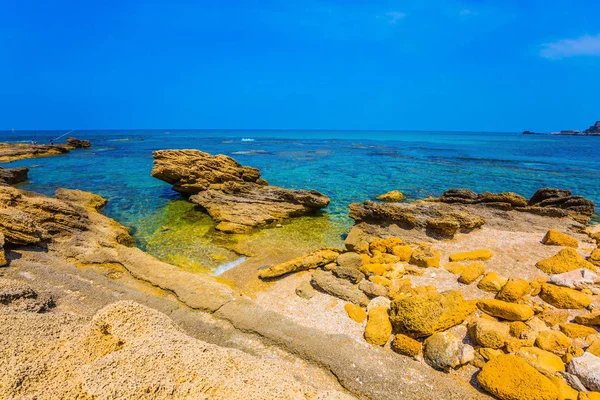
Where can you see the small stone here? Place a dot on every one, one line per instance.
(542, 360)
(455, 268)
(471, 273)
(351, 274)
(587, 369)
(564, 261)
(509, 377)
(565, 298)
(349, 260)
(356, 313)
(373, 289)
(406, 346)
(556, 238)
(305, 290)
(445, 351)
(425, 257)
(379, 328)
(505, 310)
(514, 290)
(491, 282)
(575, 331)
(375, 269)
(394, 196)
(475, 255)
(553, 341)
(384, 245)
(403, 252)
(487, 333)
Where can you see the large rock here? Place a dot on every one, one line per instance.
(379, 328)
(553, 341)
(592, 319)
(505, 310)
(316, 259)
(425, 314)
(556, 238)
(587, 369)
(563, 297)
(544, 361)
(578, 279)
(393, 197)
(78, 143)
(562, 199)
(489, 333)
(445, 351)
(509, 377)
(341, 288)
(12, 176)
(564, 261)
(235, 196)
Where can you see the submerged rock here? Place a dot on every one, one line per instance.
(393, 196)
(235, 196)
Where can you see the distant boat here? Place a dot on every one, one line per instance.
(247, 140)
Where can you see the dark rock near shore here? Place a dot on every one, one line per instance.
(78, 143)
(235, 196)
(12, 176)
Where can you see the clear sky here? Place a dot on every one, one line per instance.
(502, 65)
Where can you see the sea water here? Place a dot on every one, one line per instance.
(347, 166)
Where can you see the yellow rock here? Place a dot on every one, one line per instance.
(565, 392)
(455, 268)
(487, 333)
(423, 289)
(556, 238)
(425, 257)
(594, 348)
(595, 257)
(491, 282)
(379, 328)
(475, 255)
(405, 345)
(518, 329)
(375, 269)
(389, 259)
(554, 316)
(572, 352)
(394, 196)
(575, 331)
(509, 377)
(471, 273)
(380, 280)
(564, 261)
(488, 353)
(553, 341)
(589, 319)
(513, 345)
(425, 314)
(355, 312)
(403, 252)
(384, 245)
(505, 310)
(589, 396)
(542, 360)
(563, 297)
(514, 290)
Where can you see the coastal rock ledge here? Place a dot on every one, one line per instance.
(234, 195)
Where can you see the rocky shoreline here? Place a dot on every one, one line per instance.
(463, 296)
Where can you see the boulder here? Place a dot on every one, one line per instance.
(562, 199)
(514, 290)
(471, 273)
(446, 226)
(357, 241)
(425, 257)
(576, 331)
(594, 348)
(424, 314)
(578, 279)
(445, 351)
(475, 255)
(553, 341)
(393, 196)
(406, 346)
(563, 297)
(379, 328)
(592, 319)
(564, 261)
(545, 362)
(384, 245)
(587, 369)
(356, 313)
(348, 273)
(235, 196)
(373, 289)
(565, 391)
(505, 310)
(78, 143)
(510, 198)
(349, 259)
(509, 377)
(341, 288)
(403, 252)
(594, 257)
(85, 199)
(491, 282)
(488, 333)
(12, 176)
(556, 238)
(314, 260)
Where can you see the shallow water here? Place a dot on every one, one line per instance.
(348, 166)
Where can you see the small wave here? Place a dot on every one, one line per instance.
(227, 266)
(247, 140)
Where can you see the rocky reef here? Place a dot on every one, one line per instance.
(12, 176)
(235, 196)
(18, 151)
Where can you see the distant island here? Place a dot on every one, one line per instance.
(593, 130)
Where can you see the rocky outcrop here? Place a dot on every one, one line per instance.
(78, 143)
(546, 201)
(235, 196)
(593, 130)
(18, 151)
(12, 176)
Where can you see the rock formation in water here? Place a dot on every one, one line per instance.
(12, 176)
(593, 130)
(235, 196)
(18, 151)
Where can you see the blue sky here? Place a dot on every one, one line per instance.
(505, 65)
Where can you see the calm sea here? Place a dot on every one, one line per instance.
(348, 166)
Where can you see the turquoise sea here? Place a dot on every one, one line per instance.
(348, 166)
